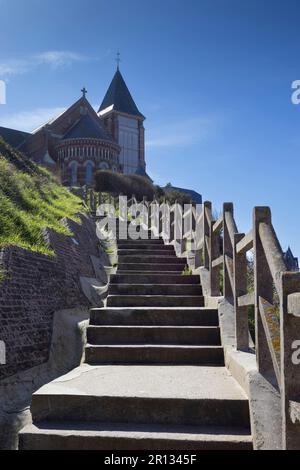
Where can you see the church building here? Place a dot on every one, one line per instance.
(81, 141)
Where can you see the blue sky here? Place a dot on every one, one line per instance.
(213, 78)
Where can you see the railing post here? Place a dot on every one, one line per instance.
(214, 248)
(178, 229)
(166, 222)
(290, 360)
(240, 288)
(155, 219)
(263, 287)
(206, 234)
(227, 254)
(172, 223)
(199, 215)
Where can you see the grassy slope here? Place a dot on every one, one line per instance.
(30, 200)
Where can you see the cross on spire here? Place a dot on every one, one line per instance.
(84, 91)
(118, 60)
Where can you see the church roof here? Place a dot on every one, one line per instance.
(118, 97)
(87, 128)
(13, 137)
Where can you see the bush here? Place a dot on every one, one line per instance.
(117, 183)
(141, 187)
(181, 198)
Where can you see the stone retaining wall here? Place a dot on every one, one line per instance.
(35, 286)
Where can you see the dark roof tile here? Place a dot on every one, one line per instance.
(13, 137)
(87, 128)
(119, 97)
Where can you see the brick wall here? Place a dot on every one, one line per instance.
(35, 286)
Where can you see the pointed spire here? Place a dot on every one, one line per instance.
(118, 97)
(118, 60)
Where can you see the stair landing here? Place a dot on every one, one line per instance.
(185, 407)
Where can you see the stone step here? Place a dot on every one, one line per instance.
(145, 247)
(183, 335)
(147, 253)
(154, 289)
(142, 258)
(142, 234)
(156, 267)
(155, 301)
(166, 395)
(102, 436)
(138, 243)
(149, 273)
(154, 316)
(173, 278)
(154, 354)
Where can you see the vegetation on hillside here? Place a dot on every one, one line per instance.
(117, 183)
(30, 200)
(127, 185)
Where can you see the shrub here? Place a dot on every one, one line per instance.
(117, 183)
(181, 198)
(141, 187)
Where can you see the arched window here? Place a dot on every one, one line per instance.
(103, 166)
(73, 172)
(89, 173)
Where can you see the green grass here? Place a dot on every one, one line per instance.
(31, 199)
(109, 251)
(187, 271)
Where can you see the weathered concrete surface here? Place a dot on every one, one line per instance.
(154, 354)
(155, 316)
(120, 436)
(161, 278)
(100, 271)
(143, 380)
(155, 289)
(205, 280)
(152, 267)
(144, 334)
(144, 394)
(147, 381)
(68, 340)
(94, 290)
(155, 301)
(264, 399)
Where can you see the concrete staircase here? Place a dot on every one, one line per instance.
(154, 376)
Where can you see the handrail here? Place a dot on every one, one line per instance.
(230, 223)
(245, 244)
(218, 225)
(272, 251)
(266, 310)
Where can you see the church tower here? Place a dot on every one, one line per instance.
(121, 117)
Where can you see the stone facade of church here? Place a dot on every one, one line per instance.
(80, 141)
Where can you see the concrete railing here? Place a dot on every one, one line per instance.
(222, 253)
